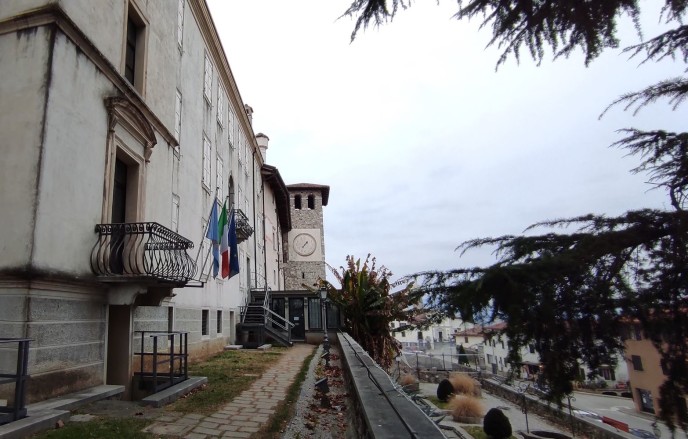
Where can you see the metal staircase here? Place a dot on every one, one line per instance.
(260, 324)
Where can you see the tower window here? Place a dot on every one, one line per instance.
(297, 201)
(311, 201)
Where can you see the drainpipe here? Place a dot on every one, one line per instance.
(255, 221)
(265, 252)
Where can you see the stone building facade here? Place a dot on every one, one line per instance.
(122, 125)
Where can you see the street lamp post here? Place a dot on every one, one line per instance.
(323, 304)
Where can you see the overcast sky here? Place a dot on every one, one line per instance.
(423, 144)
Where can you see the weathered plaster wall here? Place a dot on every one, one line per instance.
(73, 164)
(23, 57)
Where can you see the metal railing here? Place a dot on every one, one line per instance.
(281, 322)
(167, 364)
(141, 250)
(17, 410)
(243, 226)
(271, 319)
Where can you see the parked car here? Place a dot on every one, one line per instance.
(590, 416)
(644, 434)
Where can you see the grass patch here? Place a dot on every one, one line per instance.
(100, 428)
(439, 404)
(229, 373)
(477, 432)
(285, 410)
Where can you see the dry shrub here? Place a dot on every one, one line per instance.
(407, 380)
(466, 407)
(464, 384)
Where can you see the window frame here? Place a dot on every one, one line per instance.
(174, 224)
(178, 116)
(205, 324)
(206, 170)
(637, 362)
(221, 106)
(314, 309)
(208, 79)
(136, 17)
(219, 178)
(181, 6)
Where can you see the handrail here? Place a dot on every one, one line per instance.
(291, 325)
(266, 299)
(174, 358)
(17, 410)
(278, 324)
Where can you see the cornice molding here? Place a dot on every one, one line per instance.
(122, 111)
(54, 14)
(49, 288)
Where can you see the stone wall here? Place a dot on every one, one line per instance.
(549, 411)
(381, 409)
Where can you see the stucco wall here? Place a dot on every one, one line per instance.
(73, 164)
(23, 57)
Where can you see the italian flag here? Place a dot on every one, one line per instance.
(223, 230)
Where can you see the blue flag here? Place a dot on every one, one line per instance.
(233, 254)
(214, 235)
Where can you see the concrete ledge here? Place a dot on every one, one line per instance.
(39, 420)
(43, 415)
(233, 347)
(385, 412)
(173, 393)
(77, 399)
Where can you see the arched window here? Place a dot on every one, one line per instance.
(311, 201)
(297, 201)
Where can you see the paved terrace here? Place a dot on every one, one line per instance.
(244, 415)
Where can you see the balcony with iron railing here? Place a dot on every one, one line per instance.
(146, 252)
(243, 226)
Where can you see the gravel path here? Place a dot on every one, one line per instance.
(313, 421)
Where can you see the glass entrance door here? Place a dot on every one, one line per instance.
(296, 317)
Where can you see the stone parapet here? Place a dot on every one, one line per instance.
(381, 409)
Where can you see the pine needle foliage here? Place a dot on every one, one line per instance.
(369, 305)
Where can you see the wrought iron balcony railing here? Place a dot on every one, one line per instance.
(243, 227)
(141, 250)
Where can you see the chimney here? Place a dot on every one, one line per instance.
(249, 113)
(263, 140)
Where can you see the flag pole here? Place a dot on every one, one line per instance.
(207, 255)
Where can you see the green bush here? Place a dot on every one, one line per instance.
(496, 425)
(444, 390)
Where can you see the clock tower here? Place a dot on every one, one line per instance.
(305, 245)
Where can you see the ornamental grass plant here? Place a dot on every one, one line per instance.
(464, 385)
(465, 407)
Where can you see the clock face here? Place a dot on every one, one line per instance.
(304, 244)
